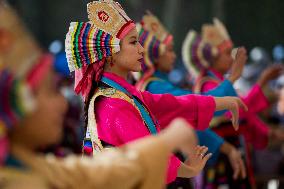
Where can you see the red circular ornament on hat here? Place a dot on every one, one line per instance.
(103, 16)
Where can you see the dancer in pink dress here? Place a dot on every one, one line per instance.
(103, 51)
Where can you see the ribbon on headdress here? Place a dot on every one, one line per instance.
(86, 75)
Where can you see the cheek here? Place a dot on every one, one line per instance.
(168, 60)
(39, 128)
(225, 61)
(51, 126)
(130, 57)
(127, 54)
(53, 109)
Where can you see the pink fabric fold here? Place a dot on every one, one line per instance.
(256, 100)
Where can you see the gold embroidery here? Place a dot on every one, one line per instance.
(92, 131)
(107, 15)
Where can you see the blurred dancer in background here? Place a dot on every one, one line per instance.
(208, 57)
(159, 59)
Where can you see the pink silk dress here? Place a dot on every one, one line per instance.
(119, 122)
(254, 130)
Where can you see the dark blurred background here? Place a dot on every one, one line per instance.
(250, 22)
(256, 24)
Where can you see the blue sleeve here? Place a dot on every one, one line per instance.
(162, 87)
(225, 88)
(212, 141)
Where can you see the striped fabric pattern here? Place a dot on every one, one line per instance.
(86, 44)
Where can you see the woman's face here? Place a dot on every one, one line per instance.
(224, 61)
(130, 56)
(165, 62)
(43, 127)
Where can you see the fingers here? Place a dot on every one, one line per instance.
(272, 72)
(243, 168)
(198, 151)
(201, 155)
(242, 55)
(236, 169)
(242, 104)
(241, 51)
(238, 166)
(235, 116)
(275, 71)
(239, 169)
(207, 157)
(201, 152)
(235, 112)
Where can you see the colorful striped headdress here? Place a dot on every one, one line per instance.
(198, 51)
(90, 42)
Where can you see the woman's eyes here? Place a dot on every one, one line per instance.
(134, 42)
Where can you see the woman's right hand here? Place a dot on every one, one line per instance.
(238, 64)
(196, 161)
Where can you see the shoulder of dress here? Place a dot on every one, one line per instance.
(113, 95)
(203, 81)
(147, 82)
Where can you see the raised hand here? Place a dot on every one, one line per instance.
(269, 74)
(238, 65)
